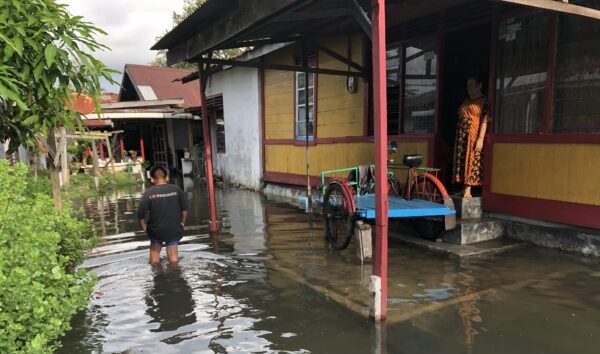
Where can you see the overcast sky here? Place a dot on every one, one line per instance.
(132, 27)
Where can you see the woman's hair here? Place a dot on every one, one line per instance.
(475, 78)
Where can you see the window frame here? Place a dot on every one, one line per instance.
(435, 38)
(312, 56)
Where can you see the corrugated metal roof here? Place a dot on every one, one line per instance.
(162, 81)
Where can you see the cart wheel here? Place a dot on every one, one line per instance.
(338, 208)
(426, 188)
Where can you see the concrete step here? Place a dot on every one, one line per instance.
(469, 231)
(467, 208)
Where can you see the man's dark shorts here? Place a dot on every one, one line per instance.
(164, 243)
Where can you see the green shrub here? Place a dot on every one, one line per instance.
(40, 247)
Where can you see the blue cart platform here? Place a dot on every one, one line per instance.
(400, 207)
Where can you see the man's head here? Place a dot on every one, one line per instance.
(158, 175)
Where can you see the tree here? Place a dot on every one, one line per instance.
(189, 6)
(45, 55)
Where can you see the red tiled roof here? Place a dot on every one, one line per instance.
(82, 104)
(162, 82)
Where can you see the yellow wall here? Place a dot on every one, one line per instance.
(292, 159)
(561, 172)
(339, 113)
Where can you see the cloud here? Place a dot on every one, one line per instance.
(132, 27)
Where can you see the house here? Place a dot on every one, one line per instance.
(361, 73)
(540, 65)
(150, 111)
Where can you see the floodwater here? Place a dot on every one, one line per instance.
(268, 283)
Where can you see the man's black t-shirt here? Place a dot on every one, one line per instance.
(163, 204)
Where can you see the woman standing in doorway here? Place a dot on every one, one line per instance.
(473, 119)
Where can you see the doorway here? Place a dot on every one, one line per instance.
(159, 145)
(465, 53)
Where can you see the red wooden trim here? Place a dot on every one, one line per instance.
(546, 138)
(279, 142)
(262, 117)
(101, 145)
(303, 142)
(542, 209)
(292, 179)
(549, 95)
(492, 70)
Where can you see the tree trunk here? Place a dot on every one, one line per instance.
(64, 162)
(95, 163)
(54, 177)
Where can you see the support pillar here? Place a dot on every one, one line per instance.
(142, 149)
(380, 115)
(214, 227)
(122, 144)
(101, 145)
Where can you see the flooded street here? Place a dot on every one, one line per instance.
(269, 283)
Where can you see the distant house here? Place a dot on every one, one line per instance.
(151, 113)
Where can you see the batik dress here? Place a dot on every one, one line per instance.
(468, 163)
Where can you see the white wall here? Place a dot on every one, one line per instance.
(241, 164)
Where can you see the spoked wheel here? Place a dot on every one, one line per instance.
(426, 188)
(394, 187)
(338, 208)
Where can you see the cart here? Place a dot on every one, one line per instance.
(424, 200)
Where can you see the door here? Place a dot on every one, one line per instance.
(465, 53)
(159, 145)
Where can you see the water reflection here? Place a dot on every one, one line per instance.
(169, 301)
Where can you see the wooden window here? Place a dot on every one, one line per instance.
(521, 73)
(576, 106)
(303, 89)
(420, 81)
(217, 115)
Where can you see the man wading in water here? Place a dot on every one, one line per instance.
(165, 205)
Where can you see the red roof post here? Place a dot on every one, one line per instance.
(214, 227)
(142, 151)
(101, 150)
(380, 115)
(122, 144)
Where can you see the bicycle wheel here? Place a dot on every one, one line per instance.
(339, 216)
(425, 188)
(394, 187)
